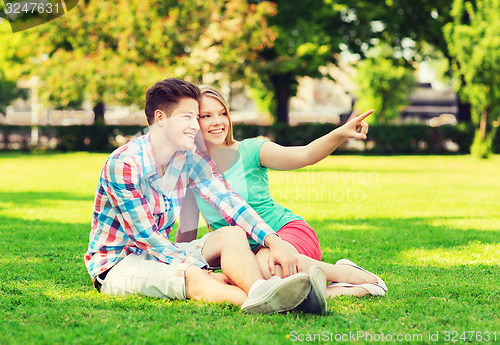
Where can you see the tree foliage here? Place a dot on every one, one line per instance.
(304, 42)
(7, 92)
(12, 55)
(113, 51)
(474, 42)
(311, 34)
(385, 85)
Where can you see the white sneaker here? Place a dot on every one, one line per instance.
(315, 302)
(380, 282)
(373, 289)
(276, 295)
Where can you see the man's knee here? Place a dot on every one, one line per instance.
(225, 240)
(232, 231)
(231, 234)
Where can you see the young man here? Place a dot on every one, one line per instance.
(138, 198)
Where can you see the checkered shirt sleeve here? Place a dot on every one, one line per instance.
(218, 192)
(125, 221)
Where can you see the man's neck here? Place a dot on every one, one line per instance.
(162, 152)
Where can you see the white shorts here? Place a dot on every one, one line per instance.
(144, 275)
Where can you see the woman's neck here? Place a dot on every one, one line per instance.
(212, 148)
(223, 155)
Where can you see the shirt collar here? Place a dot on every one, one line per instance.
(149, 167)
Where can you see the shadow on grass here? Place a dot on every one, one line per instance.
(390, 235)
(45, 288)
(23, 154)
(53, 251)
(36, 197)
(34, 251)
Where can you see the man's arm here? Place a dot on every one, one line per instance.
(280, 253)
(218, 192)
(121, 183)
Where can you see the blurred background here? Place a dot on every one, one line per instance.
(291, 70)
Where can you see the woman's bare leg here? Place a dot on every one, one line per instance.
(334, 273)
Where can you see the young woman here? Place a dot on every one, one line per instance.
(244, 164)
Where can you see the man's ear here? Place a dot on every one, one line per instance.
(159, 116)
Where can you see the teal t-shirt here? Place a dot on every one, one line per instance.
(249, 179)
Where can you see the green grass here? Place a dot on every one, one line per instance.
(430, 226)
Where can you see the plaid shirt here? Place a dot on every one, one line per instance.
(135, 209)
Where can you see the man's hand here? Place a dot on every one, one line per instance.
(281, 253)
(356, 127)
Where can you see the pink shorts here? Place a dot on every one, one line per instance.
(299, 234)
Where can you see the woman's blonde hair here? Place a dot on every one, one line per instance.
(210, 91)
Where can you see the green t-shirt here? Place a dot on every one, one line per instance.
(249, 179)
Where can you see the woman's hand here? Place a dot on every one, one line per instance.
(356, 128)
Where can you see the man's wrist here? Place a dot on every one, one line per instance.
(271, 239)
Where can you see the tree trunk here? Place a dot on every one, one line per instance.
(464, 111)
(99, 111)
(482, 124)
(464, 114)
(282, 84)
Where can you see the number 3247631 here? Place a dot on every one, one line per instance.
(32, 7)
(478, 336)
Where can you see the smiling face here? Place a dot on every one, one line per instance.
(180, 128)
(214, 121)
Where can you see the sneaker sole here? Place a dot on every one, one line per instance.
(285, 297)
(373, 289)
(318, 285)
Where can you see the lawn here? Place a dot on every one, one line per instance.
(429, 226)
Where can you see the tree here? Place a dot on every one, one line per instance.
(422, 22)
(7, 92)
(311, 34)
(113, 51)
(11, 56)
(303, 44)
(474, 42)
(385, 85)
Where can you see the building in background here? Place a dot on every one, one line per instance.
(317, 100)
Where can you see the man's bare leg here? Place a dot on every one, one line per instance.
(238, 262)
(229, 248)
(201, 286)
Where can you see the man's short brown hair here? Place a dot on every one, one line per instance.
(165, 94)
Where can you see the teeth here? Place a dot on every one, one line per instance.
(217, 131)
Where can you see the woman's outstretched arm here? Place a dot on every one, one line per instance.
(279, 157)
